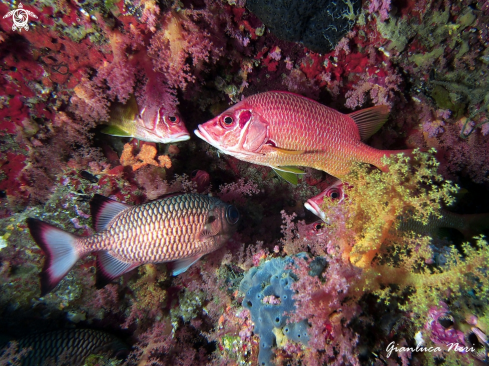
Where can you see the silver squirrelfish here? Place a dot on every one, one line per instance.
(73, 345)
(178, 228)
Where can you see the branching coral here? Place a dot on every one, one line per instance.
(464, 270)
(380, 201)
(179, 41)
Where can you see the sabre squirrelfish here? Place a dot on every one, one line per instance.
(282, 130)
(335, 192)
(152, 124)
(178, 228)
(73, 345)
(467, 224)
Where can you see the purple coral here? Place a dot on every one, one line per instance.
(439, 334)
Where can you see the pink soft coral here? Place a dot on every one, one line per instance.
(382, 7)
(179, 41)
(322, 303)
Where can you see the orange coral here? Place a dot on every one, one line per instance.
(146, 156)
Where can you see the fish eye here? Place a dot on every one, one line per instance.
(232, 215)
(334, 194)
(173, 119)
(227, 121)
(194, 174)
(318, 226)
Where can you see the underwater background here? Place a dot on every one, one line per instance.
(399, 262)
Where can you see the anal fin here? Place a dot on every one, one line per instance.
(109, 268)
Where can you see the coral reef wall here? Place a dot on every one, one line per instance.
(366, 281)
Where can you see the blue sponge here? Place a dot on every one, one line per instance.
(272, 280)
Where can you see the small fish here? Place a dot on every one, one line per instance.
(178, 228)
(467, 224)
(312, 230)
(152, 124)
(283, 130)
(70, 345)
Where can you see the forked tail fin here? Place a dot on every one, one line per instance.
(60, 249)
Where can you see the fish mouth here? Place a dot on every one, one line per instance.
(204, 135)
(184, 136)
(314, 208)
(237, 153)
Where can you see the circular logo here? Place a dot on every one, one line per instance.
(20, 17)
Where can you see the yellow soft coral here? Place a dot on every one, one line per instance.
(379, 202)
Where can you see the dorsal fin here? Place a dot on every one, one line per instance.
(370, 120)
(103, 210)
(166, 195)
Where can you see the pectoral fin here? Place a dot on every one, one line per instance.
(287, 152)
(183, 264)
(115, 131)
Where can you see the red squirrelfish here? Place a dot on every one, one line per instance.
(179, 228)
(335, 192)
(282, 130)
(151, 124)
(467, 224)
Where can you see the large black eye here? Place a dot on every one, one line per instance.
(232, 215)
(194, 174)
(334, 194)
(173, 119)
(228, 120)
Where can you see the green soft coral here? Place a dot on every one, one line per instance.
(380, 201)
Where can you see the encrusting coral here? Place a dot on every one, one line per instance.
(146, 156)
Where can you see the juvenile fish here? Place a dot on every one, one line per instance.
(283, 130)
(179, 228)
(151, 124)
